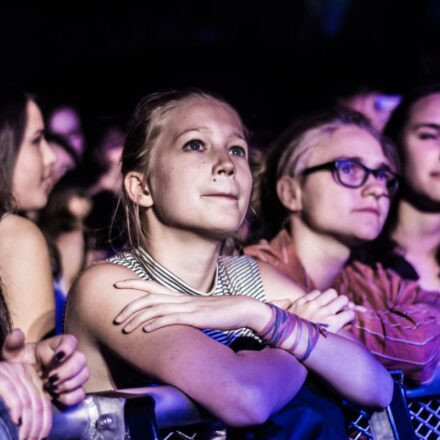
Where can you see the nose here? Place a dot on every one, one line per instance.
(375, 187)
(223, 164)
(49, 155)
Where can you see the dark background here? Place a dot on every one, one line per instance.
(273, 60)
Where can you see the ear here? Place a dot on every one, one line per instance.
(137, 189)
(289, 193)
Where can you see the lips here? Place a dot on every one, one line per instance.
(369, 210)
(229, 196)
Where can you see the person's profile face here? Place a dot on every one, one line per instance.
(65, 122)
(421, 147)
(31, 179)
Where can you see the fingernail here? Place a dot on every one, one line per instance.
(20, 421)
(118, 320)
(53, 378)
(128, 328)
(52, 387)
(59, 356)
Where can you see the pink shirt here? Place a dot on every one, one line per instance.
(402, 324)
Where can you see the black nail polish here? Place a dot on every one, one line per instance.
(59, 356)
(52, 387)
(53, 378)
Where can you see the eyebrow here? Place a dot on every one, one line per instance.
(204, 129)
(361, 160)
(427, 125)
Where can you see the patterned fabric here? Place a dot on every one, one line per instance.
(402, 324)
(234, 276)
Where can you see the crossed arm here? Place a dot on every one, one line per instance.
(239, 388)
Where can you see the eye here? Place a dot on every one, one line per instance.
(194, 145)
(347, 167)
(426, 135)
(237, 150)
(384, 175)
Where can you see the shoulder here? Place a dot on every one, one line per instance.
(17, 230)
(94, 292)
(278, 285)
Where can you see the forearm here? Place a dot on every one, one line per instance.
(351, 370)
(276, 373)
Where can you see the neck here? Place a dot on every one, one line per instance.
(322, 257)
(416, 231)
(192, 258)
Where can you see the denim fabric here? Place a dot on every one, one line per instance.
(8, 431)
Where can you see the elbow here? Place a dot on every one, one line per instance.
(380, 394)
(245, 407)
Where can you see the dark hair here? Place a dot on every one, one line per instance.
(288, 150)
(13, 117)
(143, 131)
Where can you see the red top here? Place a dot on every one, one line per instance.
(402, 324)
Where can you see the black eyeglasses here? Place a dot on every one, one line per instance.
(353, 174)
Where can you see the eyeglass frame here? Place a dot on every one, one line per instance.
(333, 167)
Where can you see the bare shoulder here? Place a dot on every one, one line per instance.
(94, 292)
(17, 231)
(277, 285)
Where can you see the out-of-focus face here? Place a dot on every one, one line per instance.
(376, 106)
(66, 123)
(31, 179)
(421, 145)
(64, 162)
(350, 215)
(200, 178)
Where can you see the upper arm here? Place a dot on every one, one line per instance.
(26, 276)
(277, 285)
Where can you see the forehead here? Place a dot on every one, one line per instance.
(426, 109)
(198, 112)
(34, 117)
(348, 141)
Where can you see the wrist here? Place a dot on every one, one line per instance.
(260, 318)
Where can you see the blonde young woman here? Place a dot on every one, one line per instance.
(187, 185)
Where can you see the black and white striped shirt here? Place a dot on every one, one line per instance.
(234, 276)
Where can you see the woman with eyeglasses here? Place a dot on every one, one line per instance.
(325, 189)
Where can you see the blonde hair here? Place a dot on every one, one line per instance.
(145, 127)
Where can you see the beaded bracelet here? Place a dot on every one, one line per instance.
(282, 324)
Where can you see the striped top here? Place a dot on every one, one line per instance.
(234, 276)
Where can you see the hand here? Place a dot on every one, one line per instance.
(327, 307)
(56, 360)
(29, 407)
(162, 307)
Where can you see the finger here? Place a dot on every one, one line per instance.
(42, 409)
(10, 394)
(72, 397)
(75, 366)
(282, 303)
(143, 303)
(152, 312)
(72, 384)
(13, 344)
(54, 351)
(325, 298)
(170, 319)
(337, 305)
(312, 295)
(357, 308)
(145, 285)
(341, 319)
